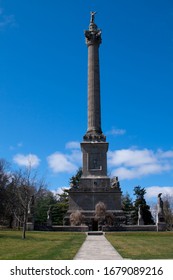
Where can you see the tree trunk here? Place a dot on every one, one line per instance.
(24, 224)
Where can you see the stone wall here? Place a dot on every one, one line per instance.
(131, 228)
(71, 228)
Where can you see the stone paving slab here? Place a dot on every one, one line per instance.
(97, 247)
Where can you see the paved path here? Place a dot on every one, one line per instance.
(97, 247)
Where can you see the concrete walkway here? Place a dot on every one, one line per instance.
(97, 247)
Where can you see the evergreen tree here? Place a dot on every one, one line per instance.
(44, 200)
(127, 203)
(139, 192)
(60, 208)
(74, 180)
(127, 207)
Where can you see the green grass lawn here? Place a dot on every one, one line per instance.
(39, 245)
(143, 245)
(64, 245)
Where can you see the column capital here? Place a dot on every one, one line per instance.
(94, 136)
(93, 35)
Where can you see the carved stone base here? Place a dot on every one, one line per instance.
(111, 218)
(86, 200)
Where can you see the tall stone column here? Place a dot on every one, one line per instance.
(93, 41)
(94, 146)
(95, 185)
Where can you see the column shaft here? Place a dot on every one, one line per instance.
(94, 112)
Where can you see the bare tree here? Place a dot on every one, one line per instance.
(26, 188)
(100, 211)
(4, 182)
(168, 211)
(76, 218)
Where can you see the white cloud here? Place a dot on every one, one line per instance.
(59, 162)
(116, 131)
(134, 163)
(167, 154)
(75, 157)
(152, 192)
(26, 160)
(66, 162)
(126, 163)
(60, 190)
(131, 157)
(124, 173)
(73, 145)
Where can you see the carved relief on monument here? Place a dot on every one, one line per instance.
(94, 161)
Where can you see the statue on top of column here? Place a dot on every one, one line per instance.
(92, 16)
(93, 35)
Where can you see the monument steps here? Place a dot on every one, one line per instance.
(95, 232)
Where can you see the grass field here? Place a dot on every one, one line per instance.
(143, 245)
(39, 245)
(64, 245)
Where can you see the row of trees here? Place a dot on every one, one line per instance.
(24, 196)
(22, 193)
(131, 208)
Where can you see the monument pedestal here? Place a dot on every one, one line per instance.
(85, 199)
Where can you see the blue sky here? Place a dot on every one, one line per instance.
(43, 88)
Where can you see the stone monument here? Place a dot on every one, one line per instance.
(49, 217)
(140, 218)
(160, 220)
(95, 186)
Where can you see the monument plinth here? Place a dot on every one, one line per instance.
(95, 186)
